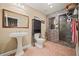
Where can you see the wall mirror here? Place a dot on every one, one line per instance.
(14, 20)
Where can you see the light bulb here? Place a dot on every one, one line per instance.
(49, 3)
(19, 5)
(51, 6)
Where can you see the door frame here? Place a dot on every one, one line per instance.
(33, 30)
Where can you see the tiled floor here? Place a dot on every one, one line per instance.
(50, 49)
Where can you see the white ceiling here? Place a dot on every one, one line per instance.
(44, 8)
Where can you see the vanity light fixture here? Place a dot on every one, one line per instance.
(20, 5)
(50, 5)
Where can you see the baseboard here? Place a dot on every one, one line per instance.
(27, 46)
(13, 51)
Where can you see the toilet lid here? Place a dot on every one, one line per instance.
(37, 35)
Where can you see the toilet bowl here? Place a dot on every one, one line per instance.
(39, 41)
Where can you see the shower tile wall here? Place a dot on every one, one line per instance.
(54, 35)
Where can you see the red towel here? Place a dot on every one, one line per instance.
(74, 31)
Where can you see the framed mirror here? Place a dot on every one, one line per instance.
(14, 20)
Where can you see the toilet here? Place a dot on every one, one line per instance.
(39, 41)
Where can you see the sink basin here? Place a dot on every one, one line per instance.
(16, 34)
(19, 36)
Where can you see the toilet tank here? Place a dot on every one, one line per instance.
(36, 35)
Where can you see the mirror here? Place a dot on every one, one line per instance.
(51, 23)
(14, 20)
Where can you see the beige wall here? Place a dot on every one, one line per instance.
(6, 43)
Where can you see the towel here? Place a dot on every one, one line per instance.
(74, 31)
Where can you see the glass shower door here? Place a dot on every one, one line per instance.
(64, 29)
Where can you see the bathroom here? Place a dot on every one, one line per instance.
(5, 40)
(18, 18)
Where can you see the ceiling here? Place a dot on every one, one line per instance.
(44, 7)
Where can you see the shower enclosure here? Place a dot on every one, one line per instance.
(65, 33)
(64, 29)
